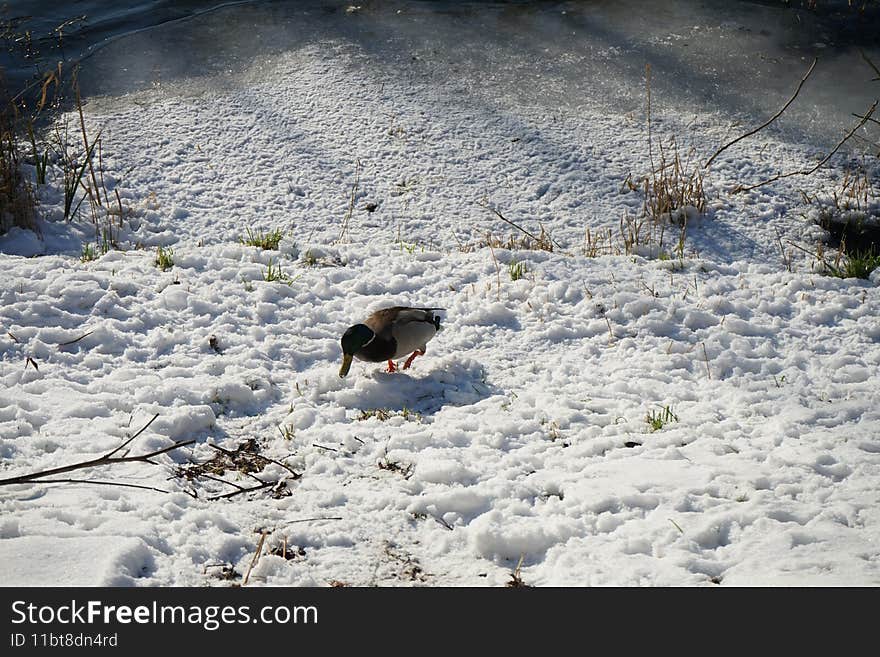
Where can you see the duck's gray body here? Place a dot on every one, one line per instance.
(399, 332)
(388, 334)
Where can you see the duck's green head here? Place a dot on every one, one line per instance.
(353, 340)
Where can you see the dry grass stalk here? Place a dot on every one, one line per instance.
(347, 219)
(642, 233)
(257, 554)
(17, 199)
(674, 186)
(855, 192)
(599, 243)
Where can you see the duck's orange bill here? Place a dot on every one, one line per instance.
(346, 364)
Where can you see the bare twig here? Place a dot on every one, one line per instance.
(441, 521)
(800, 248)
(807, 172)
(142, 429)
(870, 63)
(222, 481)
(260, 486)
(766, 123)
(818, 256)
(106, 459)
(293, 522)
(105, 483)
(102, 460)
(74, 341)
(508, 221)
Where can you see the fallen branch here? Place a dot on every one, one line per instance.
(807, 172)
(106, 459)
(766, 123)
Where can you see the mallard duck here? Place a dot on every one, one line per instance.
(388, 334)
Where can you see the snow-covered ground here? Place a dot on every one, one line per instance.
(521, 437)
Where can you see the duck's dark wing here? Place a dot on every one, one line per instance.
(382, 320)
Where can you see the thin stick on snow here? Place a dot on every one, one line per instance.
(508, 221)
(293, 522)
(75, 340)
(329, 449)
(442, 522)
(766, 123)
(142, 429)
(260, 486)
(105, 483)
(536, 239)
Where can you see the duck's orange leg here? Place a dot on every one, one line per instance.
(412, 358)
(391, 366)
